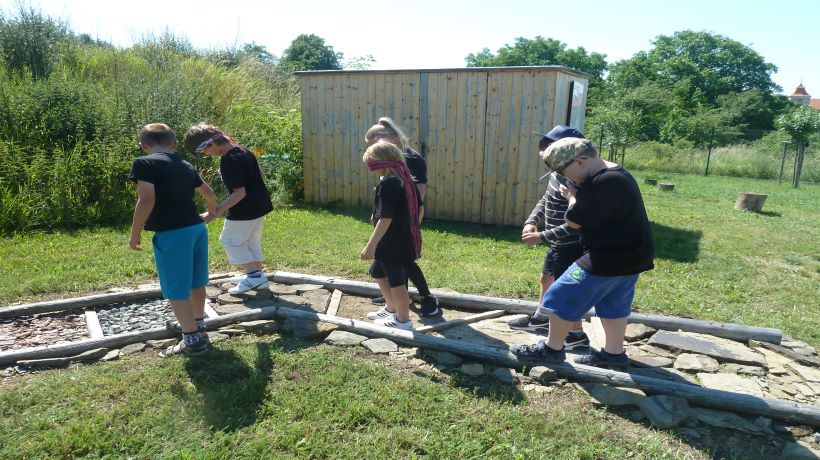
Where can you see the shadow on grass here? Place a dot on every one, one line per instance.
(229, 391)
(676, 244)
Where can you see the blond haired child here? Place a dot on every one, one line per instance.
(396, 239)
(246, 206)
(165, 205)
(386, 129)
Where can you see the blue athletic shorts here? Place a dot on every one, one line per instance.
(577, 291)
(181, 256)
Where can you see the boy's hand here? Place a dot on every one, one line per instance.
(207, 217)
(135, 241)
(531, 238)
(568, 191)
(368, 253)
(528, 228)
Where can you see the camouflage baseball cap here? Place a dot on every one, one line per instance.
(561, 153)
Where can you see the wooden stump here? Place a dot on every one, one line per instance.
(665, 187)
(651, 181)
(748, 201)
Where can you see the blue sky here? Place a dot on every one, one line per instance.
(434, 34)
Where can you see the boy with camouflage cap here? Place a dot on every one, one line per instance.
(608, 210)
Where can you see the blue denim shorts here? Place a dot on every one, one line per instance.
(181, 256)
(577, 291)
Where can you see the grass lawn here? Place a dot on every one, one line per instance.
(280, 398)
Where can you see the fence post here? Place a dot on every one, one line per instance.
(601, 138)
(783, 161)
(798, 164)
(709, 151)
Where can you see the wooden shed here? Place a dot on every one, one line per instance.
(473, 125)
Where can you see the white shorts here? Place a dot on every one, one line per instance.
(242, 240)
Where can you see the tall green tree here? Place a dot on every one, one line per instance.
(309, 52)
(541, 51)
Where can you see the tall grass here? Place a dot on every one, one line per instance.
(70, 114)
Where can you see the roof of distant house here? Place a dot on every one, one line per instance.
(815, 104)
(800, 91)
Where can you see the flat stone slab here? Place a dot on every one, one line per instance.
(445, 358)
(228, 298)
(798, 346)
(213, 291)
(637, 331)
(282, 289)
(665, 373)
(665, 411)
(742, 369)
(808, 374)
(724, 419)
(639, 358)
(90, 355)
(344, 338)
(473, 369)
(651, 349)
(266, 326)
(215, 337)
(111, 355)
(696, 363)
(303, 329)
(317, 300)
(162, 343)
(380, 346)
(132, 348)
(227, 309)
(607, 395)
(723, 350)
(731, 382)
(505, 375)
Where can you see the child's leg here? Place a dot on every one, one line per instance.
(255, 246)
(184, 311)
(396, 281)
(235, 239)
(401, 302)
(416, 276)
(387, 293)
(198, 302)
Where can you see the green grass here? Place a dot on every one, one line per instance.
(286, 399)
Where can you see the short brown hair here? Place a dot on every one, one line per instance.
(157, 135)
(198, 133)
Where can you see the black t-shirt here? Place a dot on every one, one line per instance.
(416, 165)
(239, 168)
(174, 182)
(615, 231)
(396, 245)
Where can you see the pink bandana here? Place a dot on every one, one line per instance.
(410, 192)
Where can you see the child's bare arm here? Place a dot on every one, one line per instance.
(208, 194)
(369, 251)
(235, 197)
(146, 197)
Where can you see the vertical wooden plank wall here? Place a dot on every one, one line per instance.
(476, 125)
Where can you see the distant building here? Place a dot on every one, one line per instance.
(800, 96)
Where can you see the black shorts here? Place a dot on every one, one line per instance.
(396, 274)
(558, 259)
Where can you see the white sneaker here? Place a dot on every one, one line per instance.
(382, 313)
(395, 323)
(249, 284)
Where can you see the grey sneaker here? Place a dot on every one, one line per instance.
(603, 359)
(576, 341)
(530, 323)
(378, 301)
(249, 284)
(395, 323)
(381, 313)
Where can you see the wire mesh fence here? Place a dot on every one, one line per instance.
(737, 151)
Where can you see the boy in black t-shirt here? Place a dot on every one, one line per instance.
(246, 206)
(608, 210)
(165, 205)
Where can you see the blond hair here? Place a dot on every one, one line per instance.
(386, 128)
(386, 151)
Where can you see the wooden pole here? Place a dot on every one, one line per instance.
(512, 306)
(115, 341)
(791, 412)
(461, 321)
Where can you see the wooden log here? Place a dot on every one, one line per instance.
(335, 301)
(787, 411)
(93, 323)
(665, 186)
(461, 321)
(511, 306)
(96, 300)
(119, 340)
(787, 352)
(650, 181)
(748, 201)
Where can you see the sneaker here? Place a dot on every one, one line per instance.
(382, 313)
(603, 359)
(429, 306)
(530, 323)
(378, 301)
(541, 352)
(249, 284)
(173, 325)
(181, 349)
(576, 341)
(395, 323)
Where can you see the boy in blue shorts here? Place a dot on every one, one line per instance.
(165, 205)
(608, 210)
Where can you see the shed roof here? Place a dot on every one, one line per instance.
(456, 69)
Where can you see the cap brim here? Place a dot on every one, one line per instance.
(536, 133)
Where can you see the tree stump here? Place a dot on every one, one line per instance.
(651, 181)
(665, 187)
(748, 201)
